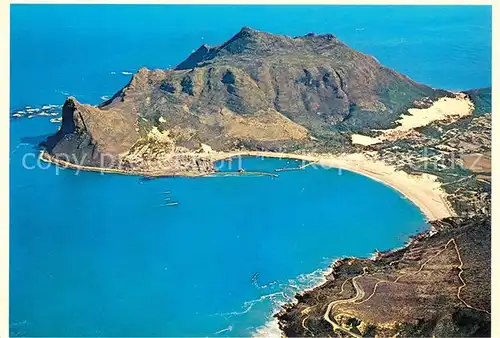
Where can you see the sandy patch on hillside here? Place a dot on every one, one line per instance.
(364, 140)
(442, 109)
(445, 108)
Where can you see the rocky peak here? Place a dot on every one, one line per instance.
(235, 92)
(140, 78)
(248, 32)
(201, 54)
(247, 41)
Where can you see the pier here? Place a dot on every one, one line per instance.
(300, 167)
(241, 173)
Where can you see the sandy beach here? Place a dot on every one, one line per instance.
(423, 190)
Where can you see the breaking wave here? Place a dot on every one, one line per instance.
(279, 294)
(303, 282)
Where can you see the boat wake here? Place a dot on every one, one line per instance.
(227, 329)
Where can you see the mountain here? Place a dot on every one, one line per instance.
(439, 283)
(314, 94)
(255, 91)
(421, 290)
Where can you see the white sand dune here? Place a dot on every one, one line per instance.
(445, 108)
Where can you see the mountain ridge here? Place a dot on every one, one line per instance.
(312, 95)
(315, 88)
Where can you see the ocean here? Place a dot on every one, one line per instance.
(101, 255)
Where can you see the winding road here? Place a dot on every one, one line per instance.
(360, 294)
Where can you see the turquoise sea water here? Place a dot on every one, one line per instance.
(98, 255)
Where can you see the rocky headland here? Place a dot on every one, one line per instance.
(314, 98)
(437, 286)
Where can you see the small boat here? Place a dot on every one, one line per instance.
(171, 204)
(167, 192)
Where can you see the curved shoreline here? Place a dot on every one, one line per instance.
(423, 190)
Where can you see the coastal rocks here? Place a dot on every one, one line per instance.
(313, 94)
(91, 137)
(56, 120)
(257, 90)
(435, 286)
(86, 139)
(44, 111)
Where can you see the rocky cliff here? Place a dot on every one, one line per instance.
(257, 91)
(440, 283)
(438, 286)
